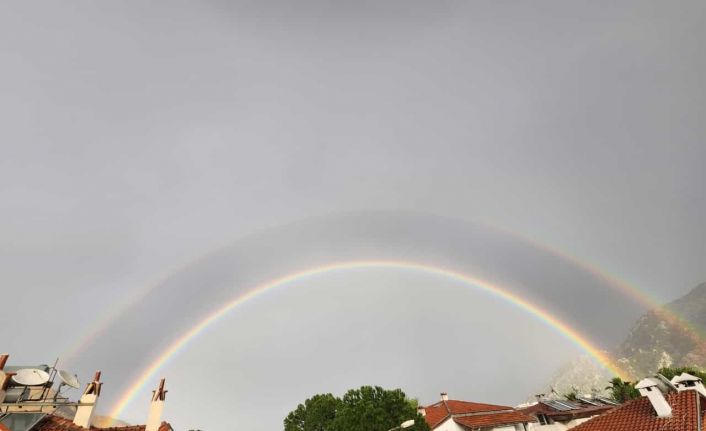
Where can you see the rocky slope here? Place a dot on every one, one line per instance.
(656, 340)
(582, 375)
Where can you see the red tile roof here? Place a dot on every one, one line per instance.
(493, 419)
(56, 423)
(582, 412)
(463, 407)
(437, 413)
(638, 414)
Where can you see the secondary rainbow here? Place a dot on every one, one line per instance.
(645, 300)
(563, 328)
(650, 302)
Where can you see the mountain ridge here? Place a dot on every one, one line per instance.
(671, 335)
(659, 340)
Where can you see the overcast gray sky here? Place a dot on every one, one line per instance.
(138, 136)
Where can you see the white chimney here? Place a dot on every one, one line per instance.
(686, 381)
(421, 410)
(444, 396)
(84, 413)
(154, 419)
(650, 388)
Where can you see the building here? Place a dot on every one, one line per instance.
(677, 405)
(29, 401)
(57, 423)
(454, 415)
(561, 415)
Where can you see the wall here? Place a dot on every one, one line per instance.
(559, 426)
(450, 425)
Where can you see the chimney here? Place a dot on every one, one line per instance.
(650, 388)
(422, 411)
(84, 413)
(154, 420)
(444, 396)
(4, 381)
(4, 377)
(686, 381)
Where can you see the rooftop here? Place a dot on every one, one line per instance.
(688, 410)
(472, 415)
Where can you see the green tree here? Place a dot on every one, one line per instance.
(376, 409)
(365, 409)
(671, 372)
(572, 395)
(622, 391)
(316, 414)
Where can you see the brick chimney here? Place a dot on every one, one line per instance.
(84, 413)
(650, 388)
(444, 396)
(686, 381)
(154, 419)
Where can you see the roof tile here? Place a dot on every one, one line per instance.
(439, 412)
(493, 419)
(638, 414)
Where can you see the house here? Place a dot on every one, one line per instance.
(561, 414)
(676, 405)
(57, 423)
(29, 402)
(454, 415)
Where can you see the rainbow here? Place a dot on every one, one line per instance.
(650, 302)
(639, 297)
(542, 315)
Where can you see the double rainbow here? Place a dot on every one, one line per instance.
(542, 315)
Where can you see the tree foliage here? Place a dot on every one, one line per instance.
(622, 391)
(365, 409)
(572, 395)
(671, 372)
(316, 414)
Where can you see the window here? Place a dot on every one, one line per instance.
(544, 419)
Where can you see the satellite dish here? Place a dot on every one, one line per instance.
(30, 377)
(69, 379)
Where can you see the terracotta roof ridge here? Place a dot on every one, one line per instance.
(481, 404)
(485, 412)
(489, 419)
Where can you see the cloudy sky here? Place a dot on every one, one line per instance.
(204, 147)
